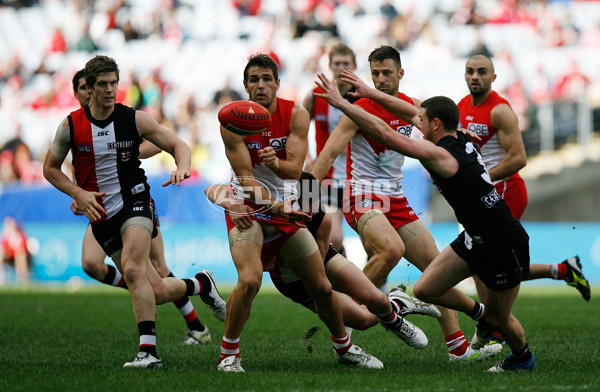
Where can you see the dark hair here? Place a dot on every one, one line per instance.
(99, 65)
(342, 49)
(261, 60)
(385, 52)
(444, 109)
(78, 75)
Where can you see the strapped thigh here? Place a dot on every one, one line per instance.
(299, 246)
(360, 225)
(411, 230)
(254, 234)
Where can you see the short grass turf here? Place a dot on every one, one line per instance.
(55, 340)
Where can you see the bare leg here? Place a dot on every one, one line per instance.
(421, 251)
(436, 284)
(134, 260)
(352, 281)
(311, 272)
(157, 255)
(246, 256)
(388, 247)
(337, 236)
(498, 314)
(92, 256)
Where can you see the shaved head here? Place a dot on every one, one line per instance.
(482, 59)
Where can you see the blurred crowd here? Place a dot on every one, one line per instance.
(182, 59)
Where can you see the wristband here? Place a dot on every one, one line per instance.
(276, 164)
(275, 207)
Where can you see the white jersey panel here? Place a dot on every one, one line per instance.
(106, 168)
(373, 173)
(492, 152)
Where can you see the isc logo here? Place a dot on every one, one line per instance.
(103, 133)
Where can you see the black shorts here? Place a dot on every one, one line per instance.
(498, 267)
(333, 196)
(108, 232)
(294, 291)
(154, 214)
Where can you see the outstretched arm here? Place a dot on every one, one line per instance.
(168, 141)
(394, 105)
(430, 155)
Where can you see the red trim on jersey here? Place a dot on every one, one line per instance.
(84, 160)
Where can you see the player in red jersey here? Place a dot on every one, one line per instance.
(361, 303)
(261, 165)
(112, 191)
(92, 255)
(13, 250)
(490, 116)
(326, 117)
(374, 203)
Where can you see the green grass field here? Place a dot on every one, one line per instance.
(54, 340)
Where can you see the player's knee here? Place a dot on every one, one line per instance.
(160, 294)
(393, 254)
(375, 300)
(320, 291)
(364, 323)
(249, 285)
(421, 291)
(132, 273)
(495, 319)
(92, 267)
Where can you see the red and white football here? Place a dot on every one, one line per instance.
(244, 117)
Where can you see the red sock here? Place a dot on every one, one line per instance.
(342, 345)
(562, 270)
(457, 343)
(229, 347)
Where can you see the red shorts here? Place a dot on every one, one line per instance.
(514, 193)
(396, 209)
(272, 247)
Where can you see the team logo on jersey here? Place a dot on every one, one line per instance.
(254, 145)
(278, 143)
(125, 155)
(84, 148)
(491, 198)
(479, 129)
(320, 117)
